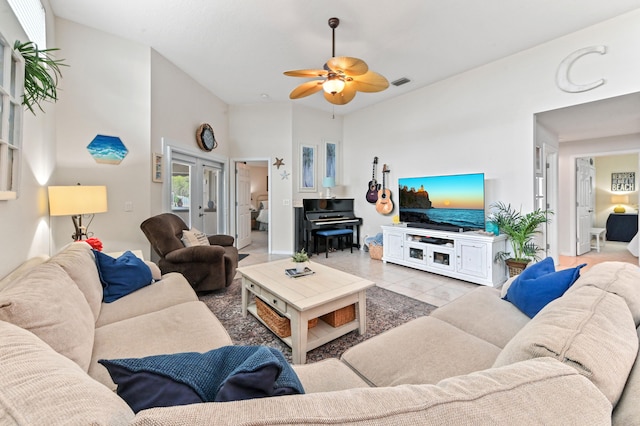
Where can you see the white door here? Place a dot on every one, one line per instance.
(551, 200)
(243, 202)
(197, 192)
(209, 208)
(585, 203)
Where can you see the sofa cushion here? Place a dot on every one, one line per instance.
(627, 411)
(424, 350)
(121, 276)
(40, 386)
(328, 375)
(171, 290)
(539, 284)
(49, 304)
(21, 269)
(78, 261)
(230, 373)
(588, 329)
(188, 327)
(484, 314)
(541, 391)
(619, 278)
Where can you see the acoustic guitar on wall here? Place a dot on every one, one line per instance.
(384, 205)
(374, 186)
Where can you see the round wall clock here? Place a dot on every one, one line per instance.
(205, 137)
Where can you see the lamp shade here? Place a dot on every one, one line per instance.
(619, 199)
(333, 85)
(328, 182)
(77, 199)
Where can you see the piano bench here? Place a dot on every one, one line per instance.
(328, 234)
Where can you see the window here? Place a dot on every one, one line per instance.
(11, 90)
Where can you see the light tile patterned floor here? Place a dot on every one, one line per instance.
(430, 288)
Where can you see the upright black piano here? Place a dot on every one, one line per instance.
(324, 213)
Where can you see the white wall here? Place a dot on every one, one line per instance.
(311, 127)
(179, 105)
(24, 222)
(265, 131)
(483, 120)
(105, 90)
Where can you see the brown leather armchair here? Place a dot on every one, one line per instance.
(205, 267)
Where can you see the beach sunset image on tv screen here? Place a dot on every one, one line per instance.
(455, 201)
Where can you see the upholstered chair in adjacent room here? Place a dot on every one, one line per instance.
(207, 267)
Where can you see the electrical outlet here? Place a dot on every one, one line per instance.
(128, 206)
(285, 202)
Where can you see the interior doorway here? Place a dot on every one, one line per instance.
(599, 128)
(252, 197)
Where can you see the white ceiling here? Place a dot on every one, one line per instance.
(605, 118)
(238, 49)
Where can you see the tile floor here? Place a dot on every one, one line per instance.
(430, 288)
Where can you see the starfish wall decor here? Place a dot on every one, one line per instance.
(279, 162)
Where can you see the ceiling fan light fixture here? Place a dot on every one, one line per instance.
(333, 85)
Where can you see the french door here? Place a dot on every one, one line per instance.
(197, 191)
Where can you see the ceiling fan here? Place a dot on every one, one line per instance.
(341, 77)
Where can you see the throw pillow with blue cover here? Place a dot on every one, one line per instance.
(230, 373)
(121, 276)
(540, 284)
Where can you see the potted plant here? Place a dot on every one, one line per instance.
(41, 74)
(300, 258)
(520, 230)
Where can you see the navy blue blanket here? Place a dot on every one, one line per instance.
(229, 373)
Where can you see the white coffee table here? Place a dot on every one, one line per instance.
(305, 298)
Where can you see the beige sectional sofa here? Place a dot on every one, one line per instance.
(478, 360)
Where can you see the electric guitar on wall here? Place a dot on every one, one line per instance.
(374, 186)
(384, 205)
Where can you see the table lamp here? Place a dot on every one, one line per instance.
(328, 182)
(618, 200)
(75, 201)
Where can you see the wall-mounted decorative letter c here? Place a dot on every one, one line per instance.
(562, 76)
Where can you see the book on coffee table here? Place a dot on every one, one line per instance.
(293, 273)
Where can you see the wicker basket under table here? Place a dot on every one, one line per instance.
(375, 252)
(280, 325)
(340, 317)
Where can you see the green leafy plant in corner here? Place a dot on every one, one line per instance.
(520, 230)
(41, 74)
(300, 256)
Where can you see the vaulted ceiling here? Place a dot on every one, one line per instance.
(238, 49)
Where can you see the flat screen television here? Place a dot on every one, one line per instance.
(451, 203)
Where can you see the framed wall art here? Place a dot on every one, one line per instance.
(156, 167)
(331, 160)
(307, 168)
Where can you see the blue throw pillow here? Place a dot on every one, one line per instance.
(540, 284)
(121, 276)
(230, 373)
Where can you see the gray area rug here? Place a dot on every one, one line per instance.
(385, 310)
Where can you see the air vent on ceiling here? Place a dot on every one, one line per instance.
(400, 81)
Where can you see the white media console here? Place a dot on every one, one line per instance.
(468, 256)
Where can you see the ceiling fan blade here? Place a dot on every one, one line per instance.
(306, 89)
(342, 98)
(349, 66)
(370, 82)
(306, 73)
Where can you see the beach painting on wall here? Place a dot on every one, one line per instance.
(107, 149)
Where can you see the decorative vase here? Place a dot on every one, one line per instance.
(300, 266)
